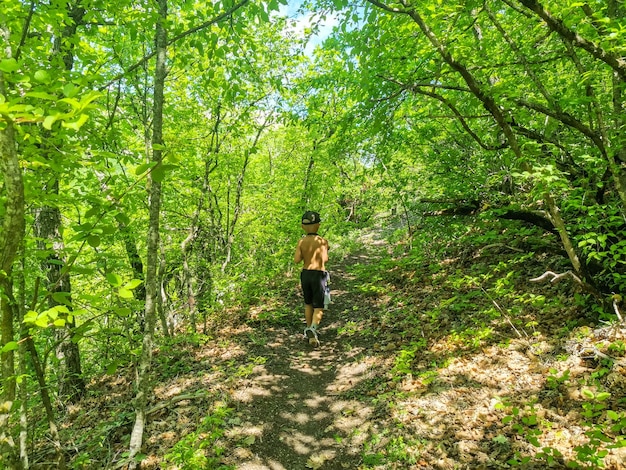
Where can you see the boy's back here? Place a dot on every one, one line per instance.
(313, 251)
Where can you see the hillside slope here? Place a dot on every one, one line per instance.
(435, 357)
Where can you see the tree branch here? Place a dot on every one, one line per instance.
(568, 120)
(149, 56)
(417, 88)
(616, 63)
(557, 277)
(385, 7)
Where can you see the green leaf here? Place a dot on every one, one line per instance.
(9, 65)
(70, 90)
(93, 211)
(93, 240)
(122, 218)
(41, 95)
(109, 229)
(86, 227)
(133, 284)
(141, 169)
(62, 298)
(10, 346)
(89, 97)
(75, 125)
(123, 311)
(72, 102)
(588, 394)
(42, 76)
(54, 311)
(42, 320)
(125, 293)
(111, 368)
(602, 396)
(114, 279)
(158, 174)
(49, 120)
(30, 316)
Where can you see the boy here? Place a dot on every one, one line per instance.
(313, 251)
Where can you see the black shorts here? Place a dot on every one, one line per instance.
(313, 287)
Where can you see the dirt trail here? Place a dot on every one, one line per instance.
(297, 405)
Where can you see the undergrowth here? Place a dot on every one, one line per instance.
(428, 309)
(472, 292)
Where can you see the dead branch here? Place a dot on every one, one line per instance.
(176, 399)
(502, 245)
(558, 277)
(616, 308)
(504, 313)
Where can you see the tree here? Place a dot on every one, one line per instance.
(542, 128)
(11, 235)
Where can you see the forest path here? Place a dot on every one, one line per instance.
(296, 406)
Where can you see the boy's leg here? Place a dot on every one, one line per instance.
(316, 316)
(310, 332)
(308, 314)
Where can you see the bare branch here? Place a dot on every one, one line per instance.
(557, 277)
(617, 312)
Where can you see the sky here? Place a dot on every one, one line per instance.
(304, 21)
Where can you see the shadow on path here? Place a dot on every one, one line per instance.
(296, 408)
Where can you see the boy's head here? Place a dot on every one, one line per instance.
(311, 221)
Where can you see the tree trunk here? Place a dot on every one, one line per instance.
(11, 230)
(238, 204)
(45, 399)
(133, 259)
(23, 369)
(162, 297)
(47, 229)
(145, 361)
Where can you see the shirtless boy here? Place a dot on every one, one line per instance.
(312, 250)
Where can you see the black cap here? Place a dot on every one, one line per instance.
(310, 218)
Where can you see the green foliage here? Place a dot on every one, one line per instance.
(604, 429)
(384, 450)
(404, 360)
(555, 380)
(201, 448)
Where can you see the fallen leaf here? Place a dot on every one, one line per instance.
(316, 462)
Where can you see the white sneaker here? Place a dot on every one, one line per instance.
(311, 334)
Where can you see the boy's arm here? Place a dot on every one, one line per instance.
(325, 251)
(297, 257)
